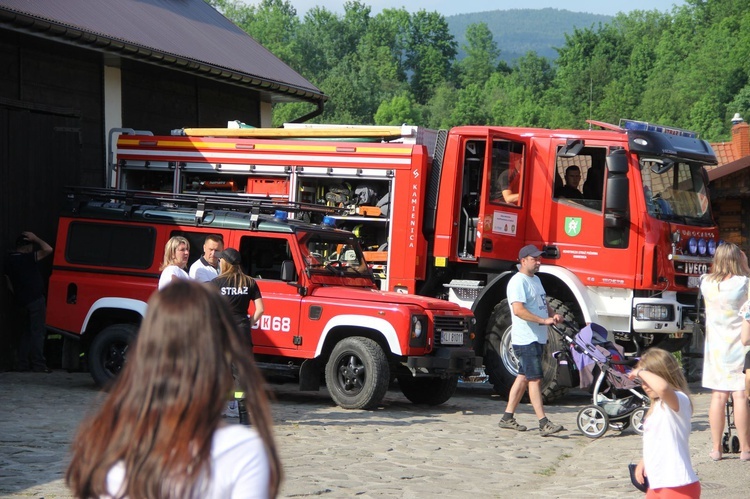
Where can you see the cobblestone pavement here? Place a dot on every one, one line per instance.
(399, 450)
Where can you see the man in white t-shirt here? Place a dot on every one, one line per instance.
(206, 268)
(530, 316)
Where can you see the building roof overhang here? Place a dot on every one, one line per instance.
(154, 31)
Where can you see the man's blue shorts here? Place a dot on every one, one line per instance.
(530, 360)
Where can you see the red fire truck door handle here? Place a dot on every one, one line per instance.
(551, 251)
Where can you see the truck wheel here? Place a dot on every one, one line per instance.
(357, 373)
(430, 391)
(500, 362)
(107, 352)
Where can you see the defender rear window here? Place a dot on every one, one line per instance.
(110, 245)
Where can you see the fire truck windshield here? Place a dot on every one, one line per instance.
(331, 254)
(677, 192)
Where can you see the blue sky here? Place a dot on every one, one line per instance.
(451, 7)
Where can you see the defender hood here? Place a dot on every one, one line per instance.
(374, 295)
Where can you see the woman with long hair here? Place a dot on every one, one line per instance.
(239, 289)
(176, 254)
(159, 432)
(666, 429)
(724, 291)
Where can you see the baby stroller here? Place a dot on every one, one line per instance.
(618, 402)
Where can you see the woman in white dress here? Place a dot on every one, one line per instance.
(724, 291)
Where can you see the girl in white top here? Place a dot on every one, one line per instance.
(666, 430)
(159, 432)
(176, 254)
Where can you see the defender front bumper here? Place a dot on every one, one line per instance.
(446, 361)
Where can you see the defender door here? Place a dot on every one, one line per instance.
(262, 257)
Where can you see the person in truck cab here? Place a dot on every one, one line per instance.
(206, 267)
(530, 316)
(176, 253)
(572, 179)
(508, 183)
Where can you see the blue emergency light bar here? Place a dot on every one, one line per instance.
(643, 126)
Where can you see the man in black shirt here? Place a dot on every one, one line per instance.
(572, 179)
(28, 287)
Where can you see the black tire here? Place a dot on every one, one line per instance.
(108, 351)
(592, 421)
(500, 362)
(430, 391)
(725, 444)
(735, 445)
(357, 373)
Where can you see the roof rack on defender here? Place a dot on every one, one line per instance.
(78, 196)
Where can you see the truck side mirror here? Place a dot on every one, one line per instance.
(287, 271)
(617, 201)
(617, 162)
(615, 221)
(571, 149)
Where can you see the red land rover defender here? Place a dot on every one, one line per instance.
(324, 316)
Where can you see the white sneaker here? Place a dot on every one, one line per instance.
(231, 411)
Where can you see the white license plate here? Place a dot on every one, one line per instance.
(451, 338)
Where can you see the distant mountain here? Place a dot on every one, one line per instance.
(517, 31)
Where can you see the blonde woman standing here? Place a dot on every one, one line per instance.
(724, 291)
(176, 254)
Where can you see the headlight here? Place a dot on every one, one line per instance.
(418, 333)
(712, 247)
(644, 312)
(692, 246)
(702, 246)
(416, 327)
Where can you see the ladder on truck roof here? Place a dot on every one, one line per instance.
(404, 134)
(78, 196)
(384, 133)
(408, 134)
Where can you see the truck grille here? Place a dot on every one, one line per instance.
(450, 323)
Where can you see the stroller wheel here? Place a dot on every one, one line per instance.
(725, 443)
(735, 444)
(636, 419)
(592, 421)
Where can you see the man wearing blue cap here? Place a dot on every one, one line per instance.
(530, 316)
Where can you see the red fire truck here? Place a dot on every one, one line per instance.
(444, 213)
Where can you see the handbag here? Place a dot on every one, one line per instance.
(643, 487)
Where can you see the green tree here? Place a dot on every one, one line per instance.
(430, 50)
(399, 110)
(470, 107)
(437, 112)
(481, 58)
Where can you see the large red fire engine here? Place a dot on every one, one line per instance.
(444, 213)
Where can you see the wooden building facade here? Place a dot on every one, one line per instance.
(75, 69)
